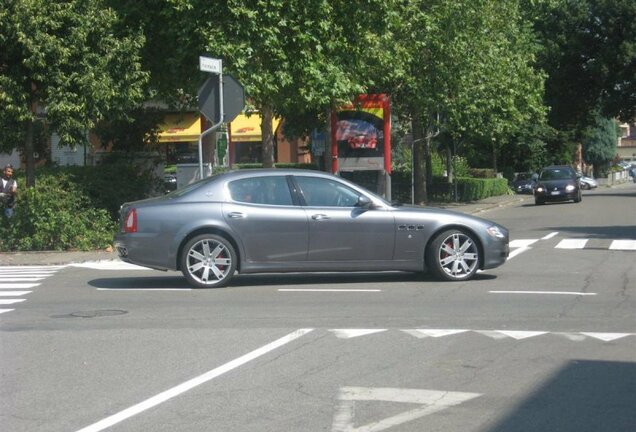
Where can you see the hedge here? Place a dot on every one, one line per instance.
(73, 208)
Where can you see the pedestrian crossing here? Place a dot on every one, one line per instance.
(16, 282)
(577, 243)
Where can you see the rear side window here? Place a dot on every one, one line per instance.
(270, 190)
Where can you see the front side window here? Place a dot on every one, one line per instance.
(321, 192)
(270, 190)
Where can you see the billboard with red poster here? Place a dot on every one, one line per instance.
(361, 135)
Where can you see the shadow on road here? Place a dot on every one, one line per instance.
(583, 396)
(282, 279)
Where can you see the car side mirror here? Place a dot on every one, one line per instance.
(364, 202)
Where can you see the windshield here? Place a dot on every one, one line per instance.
(556, 174)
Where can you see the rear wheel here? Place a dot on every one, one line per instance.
(208, 261)
(453, 255)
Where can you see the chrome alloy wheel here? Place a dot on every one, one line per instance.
(456, 256)
(209, 261)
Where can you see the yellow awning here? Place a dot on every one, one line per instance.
(180, 127)
(248, 128)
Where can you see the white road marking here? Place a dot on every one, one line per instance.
(31, 268)
(516, 252)
(351, 333)
(19, 279)
(493, 334)
(549, 236)
(522, 243)
(623, 245)
(194, 382)
(6, 310)
(607, 337)
(520, 334)
(10, 301)
(422, 333)
(109, 265)
(430, 401)
(327, 290)
(571, 244)
(13, 293)
(18, 285)
(544, 292)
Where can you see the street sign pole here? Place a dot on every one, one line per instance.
(213, 100)
(213, 66)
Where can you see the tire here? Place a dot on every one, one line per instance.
(585, 186)
(453, 255)
(578, 198)
(208, 261)
(537, 201)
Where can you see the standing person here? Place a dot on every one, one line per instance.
(8, 190)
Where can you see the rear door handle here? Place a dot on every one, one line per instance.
(319, 217)
(236, 215)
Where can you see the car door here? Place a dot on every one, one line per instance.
(339, 231)
(271, 227)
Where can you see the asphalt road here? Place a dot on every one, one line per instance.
(546, 342)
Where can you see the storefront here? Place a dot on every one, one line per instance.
(179, 134)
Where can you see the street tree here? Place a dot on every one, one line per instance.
(469, 75)
(599, 143)
(65, 63)
(588, 50)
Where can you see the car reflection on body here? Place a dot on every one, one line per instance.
(557, 183)
(259, 221)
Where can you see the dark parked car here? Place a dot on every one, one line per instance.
(557, 183)
(524, 182)
(256, 221)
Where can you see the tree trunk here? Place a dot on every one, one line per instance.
(419, 178)
(267, 116)
(494, 157)
(28, 154)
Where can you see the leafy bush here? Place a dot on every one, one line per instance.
(73, 207)
(55, 215)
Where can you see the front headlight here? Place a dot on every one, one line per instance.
(494, 231)
(539, 189)
(570, 188)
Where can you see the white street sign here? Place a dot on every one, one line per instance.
(208, 64)
(430, 401)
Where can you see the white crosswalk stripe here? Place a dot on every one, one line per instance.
(18, 281)
(518, 246)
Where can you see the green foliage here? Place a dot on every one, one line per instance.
(74, 207)
(588, 52)
(56, 215)
(70, 58)
(600, 141)
(467, 189)
(460, 167)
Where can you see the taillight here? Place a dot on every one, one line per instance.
(130, 224)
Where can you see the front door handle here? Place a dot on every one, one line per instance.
(236, 215)
(319, 217)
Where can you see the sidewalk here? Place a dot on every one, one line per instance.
(65, 258)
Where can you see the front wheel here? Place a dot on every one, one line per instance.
(208, 261)
(453, 255)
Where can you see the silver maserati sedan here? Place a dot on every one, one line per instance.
(258, 221)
